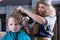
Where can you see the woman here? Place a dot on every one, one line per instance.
(45, 15)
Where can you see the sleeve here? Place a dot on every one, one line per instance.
(50, 21)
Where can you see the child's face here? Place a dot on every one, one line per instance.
(13, 24)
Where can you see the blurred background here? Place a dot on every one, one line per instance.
(7, 6)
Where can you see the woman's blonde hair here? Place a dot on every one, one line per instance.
(49, 11)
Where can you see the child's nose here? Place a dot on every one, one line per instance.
(14, 25)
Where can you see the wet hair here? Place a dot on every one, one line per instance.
(16, 15)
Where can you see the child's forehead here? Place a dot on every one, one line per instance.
(11, 19)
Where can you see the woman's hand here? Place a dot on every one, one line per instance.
(20, 8)
(24, 21)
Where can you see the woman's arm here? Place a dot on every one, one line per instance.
(35, 17)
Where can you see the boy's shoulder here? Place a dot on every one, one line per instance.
(5, 36)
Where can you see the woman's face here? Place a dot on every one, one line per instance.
(13, 24)
(41, 9)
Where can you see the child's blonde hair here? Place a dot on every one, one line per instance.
(17, 15)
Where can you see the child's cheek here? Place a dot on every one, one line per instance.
(19, 27)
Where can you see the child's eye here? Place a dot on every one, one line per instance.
(16, 24)
(42, 7)
(11, 24)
